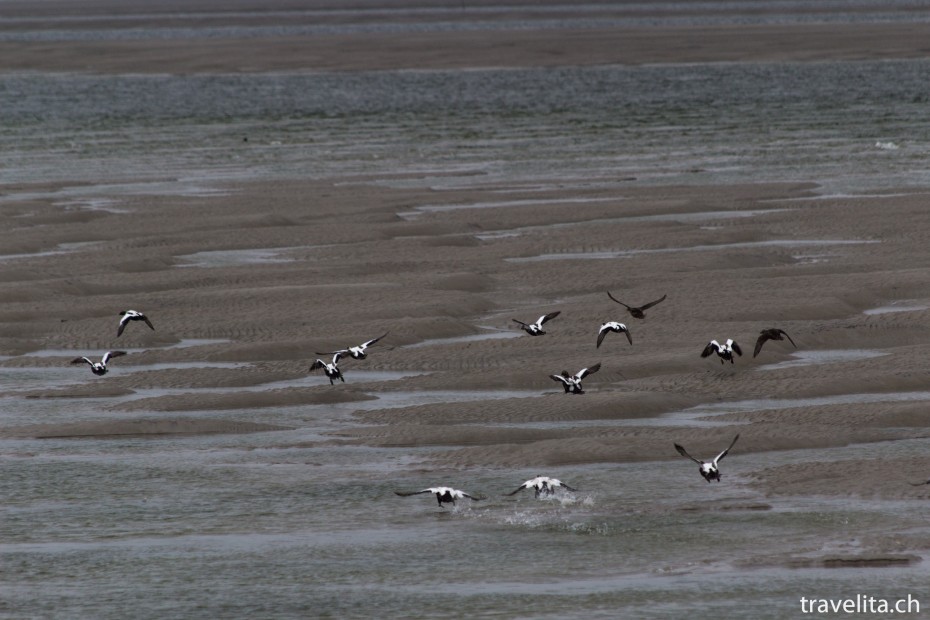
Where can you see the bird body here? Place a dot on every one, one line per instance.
(541, 485)
(331, 370)
(536, 329)
(612, 326)
(637, 312)
(772, 333)
(724, 351)
(572, 383)
(358, 352)
(131, 315)
(444, 495)
(98, 368)
(709, 470)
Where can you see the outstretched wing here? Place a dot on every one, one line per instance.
(710, 348)
(522, 324)
(122, 324)
(317, 365)
(602, 333)
(584, 372)
(547, 317)
(148, 322)
(471, 497)
(80, 360)
(626, 331)
(367, 344)
(785, 334)
(618, 301)
(111, 354)
(566, 487)
(735, 346)
(563, 378)
(652, 303)
(684, 453)
(759, 342)
(409, 493)
(724, 453)
(340, 352)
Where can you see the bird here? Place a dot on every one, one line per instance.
(131, 315)
(710, 470)
(535, 329)
(98, 368)
(572, 383)
(356, 353)
(772, 333)
(725, 351)
(612, 326)
(637, 312)
(331, 370)
(542, 485)
(919, 484)
(444, 495)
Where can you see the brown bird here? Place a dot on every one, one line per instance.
(637, 312)
(773, 333)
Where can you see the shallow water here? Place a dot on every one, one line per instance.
(296, 523)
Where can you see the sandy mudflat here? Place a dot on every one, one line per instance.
(352, 268)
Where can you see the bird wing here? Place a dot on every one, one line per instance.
(710, 348)
(525, 485)
(148, 322)
(111, 354)
(629, 336)
(735, 346)
(724, 453)
(471, 497)
(122, 324)
(78, 360)
(561, 378)
(336, 356)
(367, 344)
(761, 341)
(617, 300)
(602, 333)
(559, 483)
(518, 321)
(584, 372)
(317, 364)
(652, 303)
(548, 317)
(409, 493)
(340, 352)
(783, 332)
(684, 453)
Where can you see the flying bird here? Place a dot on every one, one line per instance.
(331, 370)
(535, 329)
(612, 326)
(724, 351)
(773, 333)
(131, 315)
(444, 495)
(919, 484)
(98, 368)
(541, 485)
(572, 383)
(708, 470)
(356, 353)
(637, 312)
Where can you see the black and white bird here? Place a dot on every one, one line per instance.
(98, 368)
(709, 471)
(772, 333)
(542, 485)
(572, 383)
(612, 326)
(444, 495)
(637, 311)
(724, 351)
(536, 329)
(331, 370)
(131, 315)
(356, 353)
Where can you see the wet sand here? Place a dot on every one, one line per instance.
(353, 267)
